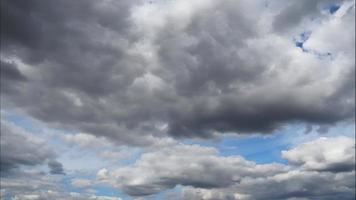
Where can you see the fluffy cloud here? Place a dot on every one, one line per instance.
(178, 68)
(324, 154)
(187, 165)
(206, 175)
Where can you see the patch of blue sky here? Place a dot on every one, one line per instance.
(67, 186)
(167, 194)
(7, 196)
(21, 121)
(72, 157)
(332, 8)
(30, 125)
(258, 148)
(133, 158)
(301, 39)
(77, 159)
(110, 191)
(264, 149)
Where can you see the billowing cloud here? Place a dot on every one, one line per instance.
(206, 175)
(187, 165)
(324, 154)
(113, 81)
(131, 71)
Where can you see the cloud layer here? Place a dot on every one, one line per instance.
(177, 68)
(124, 92)
(320, 170)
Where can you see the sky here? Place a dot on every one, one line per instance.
(177, 100)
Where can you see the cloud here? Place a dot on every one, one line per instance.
(290, 185)
(294, 13)
(178, 69)
(206, 175)
(55, 195)
(324, 154)
(86, 140)
(27, 183)
(40, 186)
(20, 148)
(187, 165)
(126, 80)
(55, 167)
(320, 169)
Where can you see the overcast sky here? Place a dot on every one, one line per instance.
(177, 99)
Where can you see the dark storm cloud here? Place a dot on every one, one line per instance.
(11, 77)
(9, 72)
(128, 71)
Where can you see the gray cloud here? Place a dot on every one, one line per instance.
(9, 71)
(294, 185)
(42, 188)
(22, 151)
(35, 185)
(206, 175)
(55, 167)
(125, 70)
(295, 12)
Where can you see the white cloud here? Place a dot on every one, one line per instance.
(206, 174)
(324, 154)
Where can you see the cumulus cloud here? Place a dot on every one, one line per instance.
(182, 69)
(324, 154)
(187, 165)
(206, 175)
